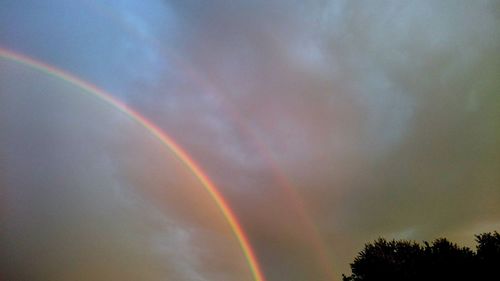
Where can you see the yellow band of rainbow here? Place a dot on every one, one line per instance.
(164, 138)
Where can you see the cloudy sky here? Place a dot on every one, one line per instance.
(324, 124)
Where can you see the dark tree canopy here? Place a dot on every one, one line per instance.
(401, 260)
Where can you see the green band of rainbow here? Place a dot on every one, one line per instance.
(164, 138)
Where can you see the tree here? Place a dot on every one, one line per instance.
(440, 260)
(444, 260)
(488, 254)
(386, 260)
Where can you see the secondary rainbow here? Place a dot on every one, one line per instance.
(215, 91)
(164, 138)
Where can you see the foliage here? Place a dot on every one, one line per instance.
(401, 260)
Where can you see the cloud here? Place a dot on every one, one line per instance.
(79, 196)
(383, 117)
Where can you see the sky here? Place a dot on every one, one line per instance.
(323, 124)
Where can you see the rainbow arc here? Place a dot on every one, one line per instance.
(161, 136)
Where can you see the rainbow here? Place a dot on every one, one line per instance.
(164, 138)
(214, 91)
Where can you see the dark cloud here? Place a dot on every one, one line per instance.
(381, 118)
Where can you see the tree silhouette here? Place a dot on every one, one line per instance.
(404, 260)
(488, 255)
(444, 260)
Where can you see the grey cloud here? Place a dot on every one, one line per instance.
(382, 116)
